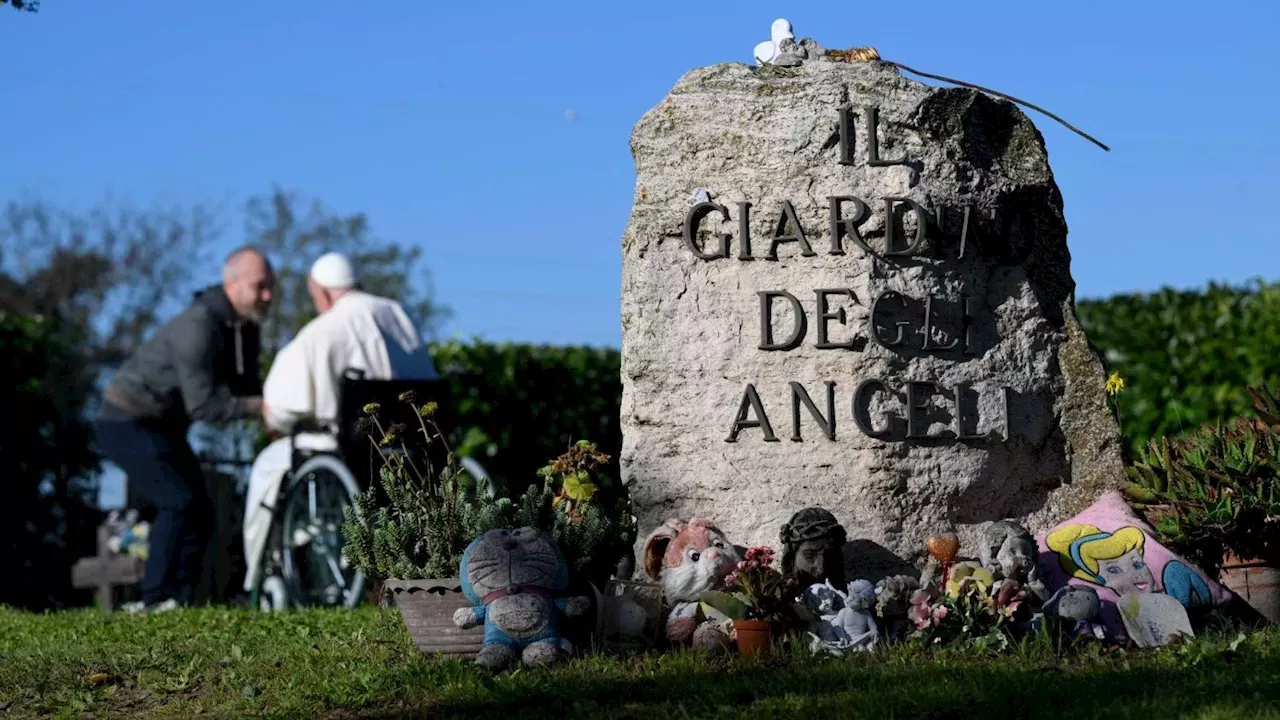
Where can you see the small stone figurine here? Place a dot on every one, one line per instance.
(812, 547)
(845, 622)
(782, 49)
(1009, 551)
(1075, 609)
(825, 602)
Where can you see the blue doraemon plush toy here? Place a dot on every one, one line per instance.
(515, 578)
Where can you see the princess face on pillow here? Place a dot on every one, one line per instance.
(1112, 560)
(1115, 561)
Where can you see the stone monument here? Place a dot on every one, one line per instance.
(845, 288)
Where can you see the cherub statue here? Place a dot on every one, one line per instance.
(856, 622)
(845, 622)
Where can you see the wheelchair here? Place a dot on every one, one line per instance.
(302, 562)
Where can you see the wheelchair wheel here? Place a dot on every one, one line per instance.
(315, 571)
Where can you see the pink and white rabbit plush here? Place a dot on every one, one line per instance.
(688, 558)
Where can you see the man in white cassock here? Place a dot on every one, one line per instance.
(354, 330)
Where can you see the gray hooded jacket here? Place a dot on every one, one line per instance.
(201, 365)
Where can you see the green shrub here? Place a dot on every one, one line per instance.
(1186, 356)
(517, 405)
(1215, 490)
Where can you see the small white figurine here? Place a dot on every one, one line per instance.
(855, 622)
(769, 51)
(845, 622)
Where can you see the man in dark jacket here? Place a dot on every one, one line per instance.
(201, 365)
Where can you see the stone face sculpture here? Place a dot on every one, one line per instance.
(689, 558)
(513, 578)
(812, 547)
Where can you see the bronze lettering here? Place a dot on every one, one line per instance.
(862, 408)
(960, 389)
(871, 321)
(766, 321)
(751, 401)
(922, 225)
(798, 396)
(744, 230)
(928, 343)
(692, 222)
(824, 314)
(840, 226)
(917, 401)
(873, 140)
(788, 216)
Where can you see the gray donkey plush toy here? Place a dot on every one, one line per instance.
(515, 579)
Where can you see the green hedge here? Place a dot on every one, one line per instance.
(520, 406)
(1186, 356)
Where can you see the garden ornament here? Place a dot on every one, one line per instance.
(689, 558)
(783, 50)
(1076, 608)
(825, 602)
(893, 601)
(1008, 550)
(514, 579)
(812, 547)
(845, 620)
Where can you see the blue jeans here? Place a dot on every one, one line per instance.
(161, 466)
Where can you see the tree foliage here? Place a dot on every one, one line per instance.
(1187, 357)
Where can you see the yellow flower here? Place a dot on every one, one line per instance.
(428, 409)
(371, 408)
(966, 574)
(1115, 384)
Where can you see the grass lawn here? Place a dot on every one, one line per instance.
(336, 664)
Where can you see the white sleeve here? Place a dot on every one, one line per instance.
(288, 392)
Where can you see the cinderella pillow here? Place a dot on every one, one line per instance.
(1110, 549)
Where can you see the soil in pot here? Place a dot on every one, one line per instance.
(427, 608)
(755, 637)
(1256, 582)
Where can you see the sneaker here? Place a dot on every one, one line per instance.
(136, 607)
(164, 606)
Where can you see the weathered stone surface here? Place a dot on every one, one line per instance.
(691, 327)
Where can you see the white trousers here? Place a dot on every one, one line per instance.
(265, 476)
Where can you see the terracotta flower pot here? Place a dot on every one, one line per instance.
(1257, 583)
(755, 637)
(427, 607)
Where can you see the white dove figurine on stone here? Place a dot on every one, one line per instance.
(769, 50)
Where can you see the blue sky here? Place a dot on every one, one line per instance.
(450, 126)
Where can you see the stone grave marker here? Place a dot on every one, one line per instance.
(845, 288)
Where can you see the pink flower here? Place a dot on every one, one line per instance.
(939, 613)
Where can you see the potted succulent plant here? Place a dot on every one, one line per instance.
(759, 600)
(408, 534)
(1213, 496)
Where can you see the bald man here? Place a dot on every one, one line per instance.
(354, 330)
(200, 366)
